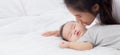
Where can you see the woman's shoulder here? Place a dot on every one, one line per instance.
(94, 29)
(95, 26)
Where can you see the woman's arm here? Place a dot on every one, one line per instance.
(77, 45)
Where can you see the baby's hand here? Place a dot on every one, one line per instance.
(64, 44)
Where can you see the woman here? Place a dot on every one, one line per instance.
(86, 11)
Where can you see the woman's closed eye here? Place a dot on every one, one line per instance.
(78, 16)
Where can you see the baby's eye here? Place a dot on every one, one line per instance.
(73, 26)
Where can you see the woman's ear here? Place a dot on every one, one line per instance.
(95, 8)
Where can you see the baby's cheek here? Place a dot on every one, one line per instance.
(73, 38)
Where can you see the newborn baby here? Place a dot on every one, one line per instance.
(71, 31)
(77, 37)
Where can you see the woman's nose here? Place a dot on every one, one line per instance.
(78, 19)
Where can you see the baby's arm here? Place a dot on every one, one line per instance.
(80, 45)
(76, 45)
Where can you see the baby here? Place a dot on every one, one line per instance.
(77, 37)
(71, 32)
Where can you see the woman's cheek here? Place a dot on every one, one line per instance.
(78, 19)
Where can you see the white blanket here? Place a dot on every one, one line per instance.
(22, 36)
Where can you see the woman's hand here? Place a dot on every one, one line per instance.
(51, 33)
(64, 44)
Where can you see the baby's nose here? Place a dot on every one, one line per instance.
(74, 32)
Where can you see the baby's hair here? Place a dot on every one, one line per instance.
(61, 30)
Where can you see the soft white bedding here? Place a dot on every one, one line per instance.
(22, 36)
(23, 21)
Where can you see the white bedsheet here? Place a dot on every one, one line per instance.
(22, 36)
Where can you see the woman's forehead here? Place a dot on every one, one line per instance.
(74, 12)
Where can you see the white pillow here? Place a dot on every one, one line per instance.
(38, 7)
(10, 8)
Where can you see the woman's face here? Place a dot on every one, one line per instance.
(85, 17)
(73, 30)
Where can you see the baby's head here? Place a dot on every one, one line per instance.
(71, 31)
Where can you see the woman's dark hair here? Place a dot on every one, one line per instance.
(105, 10)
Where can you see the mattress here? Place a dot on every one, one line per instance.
(22, 36)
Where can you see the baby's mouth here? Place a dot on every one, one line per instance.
(78, 33)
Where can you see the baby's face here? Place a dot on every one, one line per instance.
(73, 30)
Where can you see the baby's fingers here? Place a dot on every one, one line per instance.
(64, 44)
